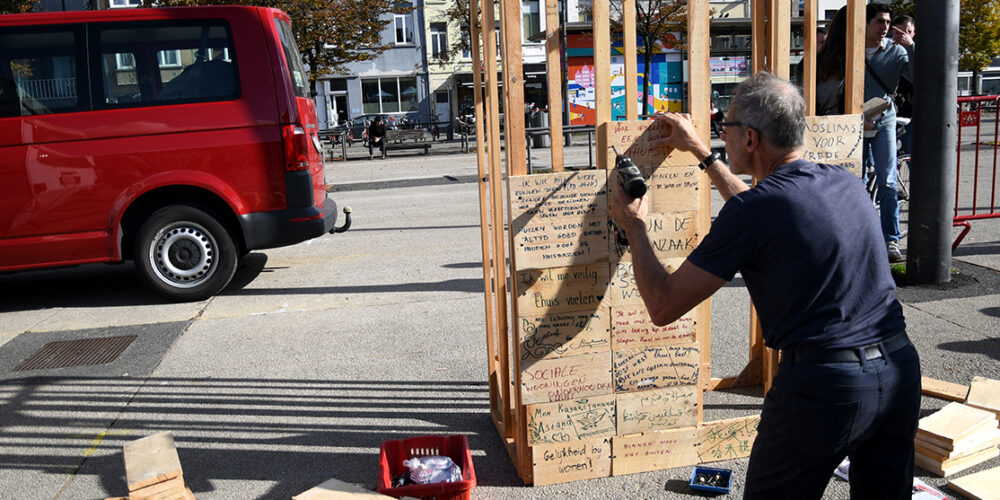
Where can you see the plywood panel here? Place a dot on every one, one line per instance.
(561, 289)
(835, 140)
(656, 367)
(981, 485)
(559, 219)
(632, 328)
(622, 290)
(657, 409)
(726, 439)
(985, 393)
(560, 463)
(564, 334)
(581, 418)
(635, 139)
(655, 450)
(563, 379)
(944, 390)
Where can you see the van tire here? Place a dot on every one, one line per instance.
(185, 253)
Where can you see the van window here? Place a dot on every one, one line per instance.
(298, 74)
(166, 62)
(39, 71)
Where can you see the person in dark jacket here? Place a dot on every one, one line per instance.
(376, 136)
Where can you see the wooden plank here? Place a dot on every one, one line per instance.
(515, 142)
(600, 13)
(727, 439)
(958, 465)
(632, 328)
(655, 450)
(564, 334)
(954, 422)
(559, 219)
(634, 139)
(565, 421)
(564, 462)
(809, 56)
(334, 489)
(623, 291)
(170, 488)
(780, 37)
(984, 393)
(758, 36)
(561, 289)
(565, 379)
(657, 409)
(835, 140)
(854, 79)
(553, 66)
(656, 367)
(151, 460)
(981, 485)
(944, 390)
(630, 55)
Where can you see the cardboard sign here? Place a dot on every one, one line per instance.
(725, 439)
(562, 289)
(835, 140)
(655, 450)
(565, 334)
(566, 421)
(564, 462)
(631, 328)
(657, 409)
(559, 219)
(564, 379)
(656, 367)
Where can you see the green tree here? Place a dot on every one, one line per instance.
(15, 6)
(978, 32)
(330, 33)
(654, 21)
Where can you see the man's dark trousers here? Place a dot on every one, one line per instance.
(817, 413)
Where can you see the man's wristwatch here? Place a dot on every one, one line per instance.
(710, 159)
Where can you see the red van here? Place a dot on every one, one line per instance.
(180, 138)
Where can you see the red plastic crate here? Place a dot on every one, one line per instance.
(390, 465)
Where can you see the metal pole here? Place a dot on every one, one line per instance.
(935, 139)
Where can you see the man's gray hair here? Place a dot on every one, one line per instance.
(773, 107)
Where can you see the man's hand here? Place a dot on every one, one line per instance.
(901, 37)
(629, 213)
(682, 134)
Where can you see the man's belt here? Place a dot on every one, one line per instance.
(848, 355)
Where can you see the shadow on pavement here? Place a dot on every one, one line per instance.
(989, 347)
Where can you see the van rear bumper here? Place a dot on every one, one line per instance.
(287, 227)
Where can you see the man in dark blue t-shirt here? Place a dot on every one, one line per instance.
(811, 252)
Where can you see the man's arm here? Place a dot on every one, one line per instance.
(683, 137)
(667, 295)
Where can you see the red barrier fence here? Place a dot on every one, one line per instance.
(970, 114)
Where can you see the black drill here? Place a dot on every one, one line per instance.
(631, 181)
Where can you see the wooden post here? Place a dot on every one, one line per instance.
(854, 80)
(553, 71)
(809, 54)
(602, 78)
(779, 23)
(758, 37)
(630, 55)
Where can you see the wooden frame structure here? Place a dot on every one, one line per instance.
(771, 41)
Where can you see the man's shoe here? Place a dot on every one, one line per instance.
(383, 157)
(371, 157)
(894, 254)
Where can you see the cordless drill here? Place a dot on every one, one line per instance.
(631, 180)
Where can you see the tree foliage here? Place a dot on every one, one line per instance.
(16, 6)
(330, 33)
(978, 32)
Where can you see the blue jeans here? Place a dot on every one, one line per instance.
(816, 414)
(880, 151)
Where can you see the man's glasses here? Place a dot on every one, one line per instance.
(722, 135)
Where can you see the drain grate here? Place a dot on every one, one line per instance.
(84, 352)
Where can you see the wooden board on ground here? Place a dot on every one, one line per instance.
(984, 393)
(955, 465)
(150, 460)
(564, 334)
(333, 489)
(944, 390)
(564, 462)
(834, 140)
(979, 486)
(656, 367)
(565, 421)
(952, 423)
(655, 450)
(632, 328)
(561, 289)
(634, 138)
(726, 439)
(564, 379)
(559, 219)
(658, 409)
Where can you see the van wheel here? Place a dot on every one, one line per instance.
(185, 253)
